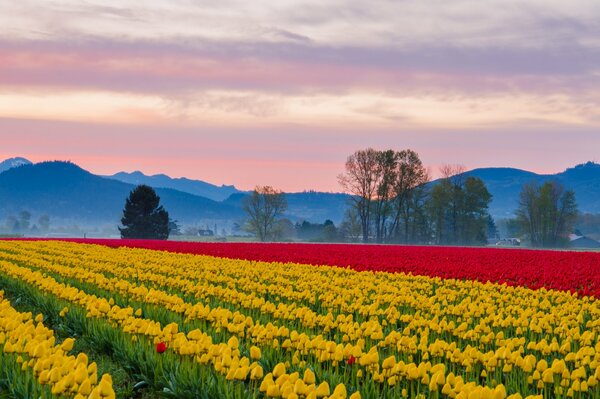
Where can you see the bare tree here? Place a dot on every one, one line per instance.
(410, 174)
(527, 214)
(361, 179)
(453, 172)
(351, 227)
(263, 206)
(387, 163)
(455, 175)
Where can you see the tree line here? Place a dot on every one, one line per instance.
(392, 200)
(393, 197)
(22, 224)
(547, 214)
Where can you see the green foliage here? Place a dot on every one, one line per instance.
(547, 214)
(140, 372)
(458, 211)
(14, 383)
(143, 217)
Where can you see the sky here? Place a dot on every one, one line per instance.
(280, 92)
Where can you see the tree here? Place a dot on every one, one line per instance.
(24, 218)
(44, 223)
(438, 208)
(492, 229)
(458, 209)
(474, 217)
(547, 213)
(143, 216)
(410, 176)
(19, 224)
(350, 228)
(330, 232)
(361, 179)
(174, 228)
(263, 206)
(417, 226)
(12, 224)
(386, 170)
(284, 230)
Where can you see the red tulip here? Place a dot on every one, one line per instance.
(161, 347)
(351, 360)
(561, 270)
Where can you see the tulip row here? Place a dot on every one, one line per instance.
(33, 347)
(382, 334)
(225, 358)
(561, 270)
(394, 338)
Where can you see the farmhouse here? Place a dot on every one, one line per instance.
(577, 241)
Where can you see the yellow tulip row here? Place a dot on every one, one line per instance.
(373, 329)
(302, 344)
(38, 353)
(417, 324)
(225, 358)
(506, 332)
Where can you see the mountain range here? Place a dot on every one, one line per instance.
(505, 185)
(70, 194)
(196, 187)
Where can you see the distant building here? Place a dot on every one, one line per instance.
(508, 242)
(577, 241)
(206, 233)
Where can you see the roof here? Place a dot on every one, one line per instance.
(584, 242)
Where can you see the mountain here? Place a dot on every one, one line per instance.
(315, 207)
(65, 191)
(195, 187)
(13, 163)
(70, 194)
(505, 185)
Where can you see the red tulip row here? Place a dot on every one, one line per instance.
(561, 270)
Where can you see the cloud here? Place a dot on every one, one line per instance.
(171, 67)
(410, 47)
(446, 77)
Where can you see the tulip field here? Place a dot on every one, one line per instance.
(149, 319)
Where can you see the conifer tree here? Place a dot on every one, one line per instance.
(143, 216)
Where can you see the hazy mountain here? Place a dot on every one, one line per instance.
(196, 187)
(13, 163)
(505, 185)
(315, 207)
(63, 190)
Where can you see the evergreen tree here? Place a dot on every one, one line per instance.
(143, 217)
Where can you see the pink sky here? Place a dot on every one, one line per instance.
(280, 93)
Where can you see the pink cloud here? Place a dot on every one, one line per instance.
(169, 69)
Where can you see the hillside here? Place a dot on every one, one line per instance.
(13, 163)
(195, 187)
(63, 190)
(67, 192)
(505, 185)
(315, 207)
